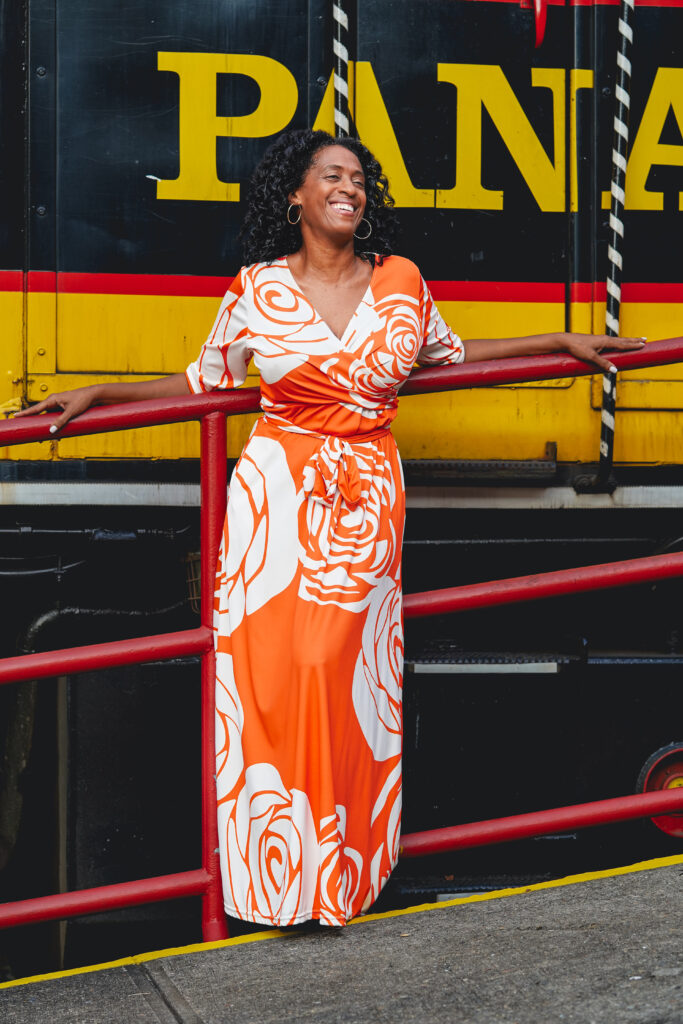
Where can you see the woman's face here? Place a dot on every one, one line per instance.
(332, 194)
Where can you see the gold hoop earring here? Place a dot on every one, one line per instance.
(363, 237)
(289, 210)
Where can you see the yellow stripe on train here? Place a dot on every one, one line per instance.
(85, 338)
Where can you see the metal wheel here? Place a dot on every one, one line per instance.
(664, 770)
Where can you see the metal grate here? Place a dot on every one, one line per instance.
(193, 575)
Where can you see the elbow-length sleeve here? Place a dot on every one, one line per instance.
(225, 355)
(440, 344)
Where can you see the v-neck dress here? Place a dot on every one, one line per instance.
(308, 625)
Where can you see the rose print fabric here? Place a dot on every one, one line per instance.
(308, 626)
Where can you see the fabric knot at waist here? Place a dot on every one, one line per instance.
(333, 467)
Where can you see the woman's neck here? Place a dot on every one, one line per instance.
(324, 262)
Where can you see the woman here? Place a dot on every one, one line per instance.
(308, 594)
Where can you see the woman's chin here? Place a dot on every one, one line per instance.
(336, 233)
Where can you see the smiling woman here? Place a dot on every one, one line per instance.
(309, 637)
(308, 625)
(331, 202)
(283, 172)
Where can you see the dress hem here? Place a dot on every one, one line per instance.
(299, 919)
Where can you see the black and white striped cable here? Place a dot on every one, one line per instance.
(341, 70)
(622, 95)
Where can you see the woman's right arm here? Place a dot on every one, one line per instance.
(73, 403)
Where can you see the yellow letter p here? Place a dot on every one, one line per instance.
(200, 126)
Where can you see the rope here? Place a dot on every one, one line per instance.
(341, 70)
(622, 95)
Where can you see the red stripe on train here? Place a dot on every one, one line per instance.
(214, 287)
(588, 3)
(497, 291)
(144, 284)
(631, 291)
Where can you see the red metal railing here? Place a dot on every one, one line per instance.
(211, 411)
(540, 823)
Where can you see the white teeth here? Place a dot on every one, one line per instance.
(343, 206)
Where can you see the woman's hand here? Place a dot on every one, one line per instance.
(72, 403)
(589, 347)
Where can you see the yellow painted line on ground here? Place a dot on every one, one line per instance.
(141, 958)
(482, 897)
(242, 940)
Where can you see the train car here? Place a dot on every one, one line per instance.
(128, 136)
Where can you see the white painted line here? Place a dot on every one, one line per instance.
(67, 493)
(186, 495)
(511, 668)
(542, 497)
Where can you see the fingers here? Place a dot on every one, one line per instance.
(589, 354)
(65, 402)
(620, 344)
(627, 343)
(51, 402)
(603, 364)
(70, 404)
(606, 341)
(589, 347)
(68, 414)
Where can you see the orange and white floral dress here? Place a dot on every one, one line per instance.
(308, 624)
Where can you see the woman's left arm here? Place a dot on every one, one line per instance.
(583, 346)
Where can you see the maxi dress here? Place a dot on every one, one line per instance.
(308, 622)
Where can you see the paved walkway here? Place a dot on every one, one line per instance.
(596, 948)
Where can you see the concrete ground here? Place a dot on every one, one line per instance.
(604, 948)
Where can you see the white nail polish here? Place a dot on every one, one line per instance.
(612, 369)
(53, 429)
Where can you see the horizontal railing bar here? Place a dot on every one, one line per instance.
(540, 823)
(105, 897)
(70, 660)
(546, 584)
(520, 369)
(152, 412)
(158, 411)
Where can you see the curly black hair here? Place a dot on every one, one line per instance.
(266, 233)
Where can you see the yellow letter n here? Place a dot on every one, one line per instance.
(485, 86)
(200, 126)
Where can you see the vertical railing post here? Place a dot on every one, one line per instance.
(213, 501)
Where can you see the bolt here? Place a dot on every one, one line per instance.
(41, 351)
(41, 211)
(43, 387)
(606, 91)
(41, 71)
